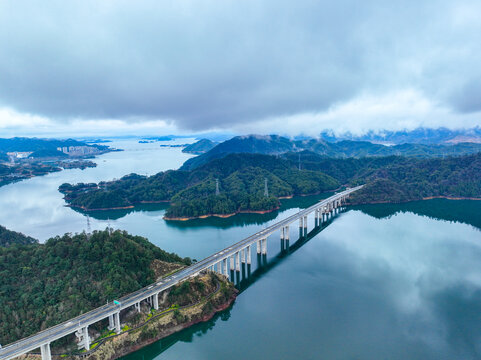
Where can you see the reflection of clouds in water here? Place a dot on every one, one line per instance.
(425, 266)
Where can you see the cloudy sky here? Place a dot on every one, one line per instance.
(93, 67)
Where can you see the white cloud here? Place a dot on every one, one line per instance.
(400, 110)
(14, 123)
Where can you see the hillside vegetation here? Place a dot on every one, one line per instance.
(193, 193)
(242, 181)
(199, 147)
(45, 284)
(9, 237)
(274, 144)
(401, 179)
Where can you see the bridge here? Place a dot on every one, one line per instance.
(227, 259)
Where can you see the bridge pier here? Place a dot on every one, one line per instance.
(111, 322)
(232, 266)
(237, 261)
(156, 301)
(258, 246)
(249, 255)
(45, 352)
(224, 263)
(137, 306)
(83, 336)
(243, 255)
(305, 225)
(264, 246)
(117, 322)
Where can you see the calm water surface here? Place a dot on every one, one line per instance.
(379, 282)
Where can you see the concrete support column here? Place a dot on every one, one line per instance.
(264, 246)
(111, 322)
(243, 255)
(232, 266)
(224, 263)
(45, 351)
(249, 254)
(286, 233)
(305, 223)
(117, 322)
(137, 306)
(258, 246)
(300, 223)
(282, 233)
(156, 301)
(86, 338)
(237, 261)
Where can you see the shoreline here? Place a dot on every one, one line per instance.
(185, 218)
(178, 328)
(454, 198)
(220, 215)
(83, 208)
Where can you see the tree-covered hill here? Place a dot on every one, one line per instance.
(400, 179)
(241, 182)
(45, 284)
(274, 144)
(193, 193)
(199, 147)
(9, 237)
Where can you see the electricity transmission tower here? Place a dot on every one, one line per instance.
(89, 230)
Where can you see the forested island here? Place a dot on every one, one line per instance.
(242, 178)
(45, 284)
(241, 184)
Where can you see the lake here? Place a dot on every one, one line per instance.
(378, 282)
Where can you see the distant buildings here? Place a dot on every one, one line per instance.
(78, 150)
(19, 154)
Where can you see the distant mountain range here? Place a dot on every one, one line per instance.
(275, 145)
(22, 144)
(417, 136)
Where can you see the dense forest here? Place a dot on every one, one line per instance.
(274, 145)
(241, 181)
(9, 237)
(400, 179)
(45, 284)
(193, 193)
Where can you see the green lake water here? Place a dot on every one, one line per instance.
(378, 282)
